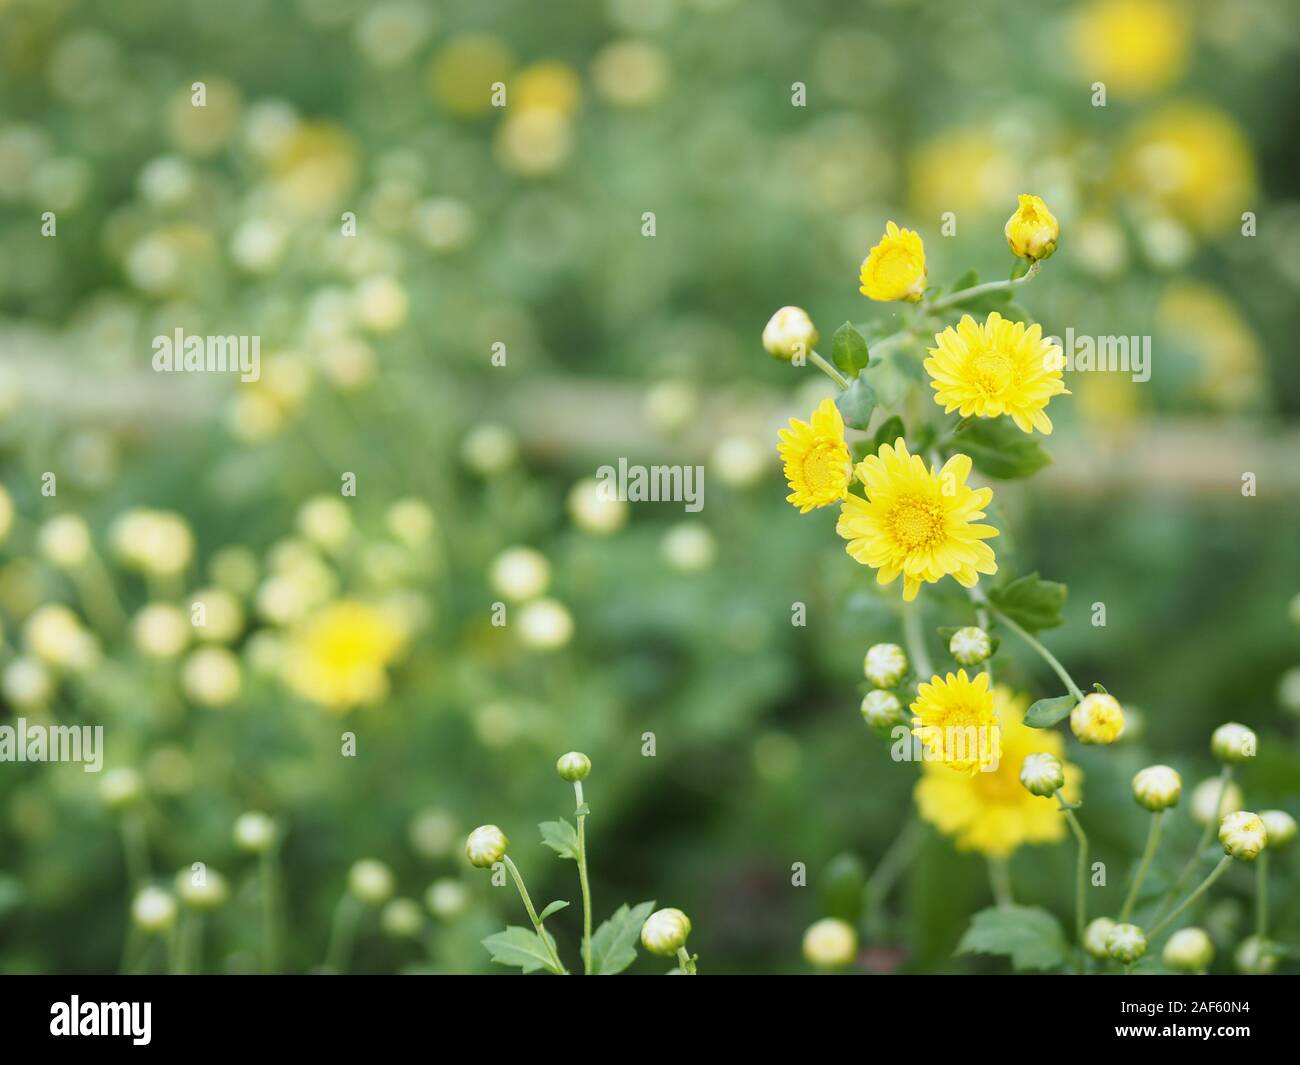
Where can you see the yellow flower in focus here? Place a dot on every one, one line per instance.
(895, 268)
(1136, 47)
(997, 368)
(818, 465)
(1033, 230)
(917, 521)
(546, 86)
(991, 812)
(338, 657)
(956, 723)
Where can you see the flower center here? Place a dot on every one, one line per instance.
(992, 371)
(824, 469)
(916, 523)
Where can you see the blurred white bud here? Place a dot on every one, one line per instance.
(545, 624)
(402, 919)
(447, 899)
(211, 676)
(153, 910)
(689, 547)
(1189, 950)
(1280, 826)
(1233, 743)
(489, 449)
(371, 881)
(520, 573)
(830, 943)
(593, 511)
(160, 630)
(203, 891)
(1206, 794)
(254, 832)
(121, 788)
(1095, 936)
(1255, 956)
(64, 541)
(27, 684)
(326, 521)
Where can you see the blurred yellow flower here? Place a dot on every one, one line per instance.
(895, 268)
(1201, 320)
(630, 73)
(1032, 231)
(997, 368)
(534, 143)
(546, 86)
(818, 466)
(1136, 47)
(965, 169)
(207, 129)
(992, 813)
(339, 656)
(465, 69)
(6, 513)
(956, 723)
(917, 521)
(315, 168)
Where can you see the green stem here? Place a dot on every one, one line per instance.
(1000, 879)
(270, 909)
(915, 640)
(136, 847)
(1080, 877)
(828, 369)
(1207, 833)
(1043, 652)
(1261, 895)
(1205, 886)
(582, 879)
(686, 962)
(342, 933)
(980, 290)
(890, 867)
(557, 967)
(1148, 853)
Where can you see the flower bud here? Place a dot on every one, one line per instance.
(371, 881)
(204, 890)
(1094, 937)
(665, 931)
(446, 898)
(1206, 794)
(788, 333)
(1042, 774)
(486, 846)
(1126, 943)
(970, 646)
(1189, 950)
(884, 664)
(573, 766)
(153, 910)
(402, 919)
(1243, 835)
(1280, 826)
(1157, 787)
(121, 788)
(830, 943)
(64, 541)
(1032, 232)
(1255, 956)
(882, 710)
(1097, 719)
(254, 832)
(1233, 743)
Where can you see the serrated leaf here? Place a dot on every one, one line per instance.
(999, 449)
(1030, 936)
(849, 349)
(561, 837)
(856, 403)
(1047, 712)
(1033, 603)
(554, 907)
(522, 947)
(613, 944)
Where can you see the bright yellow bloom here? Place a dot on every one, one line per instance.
(992, 813)
(895, 268)
(1135, 46)
(1033, 230)
(997, 368)
(916, 521)
(818, 465)
(1097, 719)
(339, 656)
(956, 723)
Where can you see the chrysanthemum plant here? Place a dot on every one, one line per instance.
(993, 774)
(612, 947)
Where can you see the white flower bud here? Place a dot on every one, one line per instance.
(545, 624)
(326, 521)
(371, 881)
(1280, 826)
(970, 646)
(1126, 943)
(1157, 787)
(884, 664)
(520, 573)
(64, 541)
(402, 919)
(486, 846)
(121, 788)
(594, 510)
(1189, 950)
(1094, 937)
(882, 710)
(665, 931)
(1233, 743)
(160, 630)
(1255, 957)
(788, 333)
(1042, 774)
(211, 676)
(1097, 719)
(573, 766)
(153, 910)
(1243, 835)
(254, 832)
(1204, 796)
(830, 943)
(412, 522)
(489, 449)
(447, 898)
(204, 890)
(27, 683)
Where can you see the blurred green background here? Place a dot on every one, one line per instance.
(484, 232)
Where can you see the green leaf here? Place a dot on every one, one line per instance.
(613, 945)
(890, 430)
(843, 882)
(1031, 937)
(561, 837)
(856, 403)
(554, 907)
(999, 449)
(522, 947)
(849, 349)
(1031, 602)
(1020, 269)
(967, 280)
(1047, 712)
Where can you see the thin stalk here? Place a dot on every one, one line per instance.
(1000, 879)
(342, 932)
(1261, 895)
(1043, 652)
(1207, 833)
(582, 879)
(890, 867)
(1080, 877)
(270, 909)
(1205, 886)
(1148, 853)
(915, 640)
(136, 848)
(532, 916)
(686, 962)
(828, 369)
(980, 290)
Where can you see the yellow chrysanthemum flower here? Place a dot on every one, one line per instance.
(992, 813)
(1136, 47)
(917, 521)
(339, 656)
(997, 368)
(1032, 232)
(895, 268)
(956, 722)
(818, 465)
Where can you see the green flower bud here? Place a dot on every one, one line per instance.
(402, 919)
(665, 931)
(1126, 943)
(1233, 743)
(486, 846)
(881, 709)
(884, 664)
(970, 646)
(1157, 787)
(830, 943)
(573, 766)
(371, 881)
(1042, 774)
(1255, 956)
(1280, 826)
(153, 910)
(1189, 950)
(1243, 835)
(1094, 937)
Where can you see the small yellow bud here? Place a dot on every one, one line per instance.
(895, 268)
(1243, 835)
(1189, 950)
(884, 664)
(788, 333)
(573, 766)
(1255, 956)
(1233, 743)
(1042, 774)
(1157, 787)
(1126, 943)
(1280, 826)
(830, 943)
(486, 846)
(1094, 937)
(665, 931)
(1033, 230)
(882, 710)
(970, 646)
(1097, 719)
